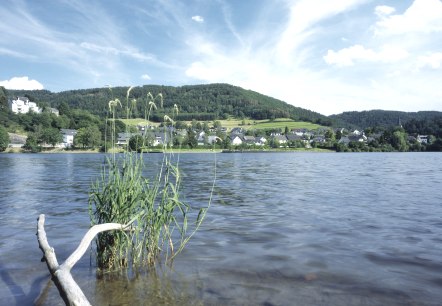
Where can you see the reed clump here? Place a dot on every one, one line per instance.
(122, 194)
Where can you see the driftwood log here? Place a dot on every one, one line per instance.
(61, 274)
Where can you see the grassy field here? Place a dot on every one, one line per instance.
(138, 121)
(279, 123)
(282, 123)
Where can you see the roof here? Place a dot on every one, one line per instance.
(249, 138)
(280, 137)
(293, 137)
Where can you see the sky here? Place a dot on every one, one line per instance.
(322, 55)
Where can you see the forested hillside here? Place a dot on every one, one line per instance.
(200, 102)
(381, 118)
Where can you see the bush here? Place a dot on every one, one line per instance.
(4, 139)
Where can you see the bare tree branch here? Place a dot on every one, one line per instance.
(61, 274)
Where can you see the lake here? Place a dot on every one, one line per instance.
(283, 229)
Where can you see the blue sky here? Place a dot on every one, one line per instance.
(323, 55)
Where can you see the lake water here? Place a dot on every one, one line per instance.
(283, 229)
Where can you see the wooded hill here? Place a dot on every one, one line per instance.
(382, 118)
(200, 102)
(215, 102)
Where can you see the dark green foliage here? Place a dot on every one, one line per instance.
(88, 137)
(201, 102)
(3, 100)
(381, 118)
(136, 143)
(191, 141)
(4, 139)
(50, 136)
(32, 144)
(424, 127)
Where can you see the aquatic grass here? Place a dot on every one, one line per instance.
(122, 194)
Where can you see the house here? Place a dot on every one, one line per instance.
(260, 140)
(299, 132)
(319, 139)
(236, 140)
(54, 111)
(22, 105)
(422, 139)
(163, 138)
(281, 139)
(249, 140)
(143, 126)
(123, 138)
(181, 132)
(155, 139)
(201, 138)
(211, 139)
(294, 137)
(68, 137)
(237, 131)
(352, 138)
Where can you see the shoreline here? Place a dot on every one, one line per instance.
(185, 151)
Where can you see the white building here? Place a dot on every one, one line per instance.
(68, 137)
(22, 105)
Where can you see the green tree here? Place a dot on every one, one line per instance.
(217, 124)
(329, 135)
(194, 124)
(136, 143)
(338, 134)
(3, 100)
(60, 122)
(180, 125)
(64, 109)
(227, 143)
(50, 136)
(191, 140)
(399, 141)
(88, 137)
(206, 127)
(32, 143)
(4, 139)
(44, 119)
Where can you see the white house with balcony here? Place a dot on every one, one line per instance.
(22, 105)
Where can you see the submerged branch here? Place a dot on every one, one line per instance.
(61, 275)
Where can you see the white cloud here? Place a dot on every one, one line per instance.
(433, 61)
(304, 15)
(348, 56)
(21, 83)
(198, 19)
(146, 77)
(424, 16)
(383, 10)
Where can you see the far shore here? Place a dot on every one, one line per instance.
(205, 150)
